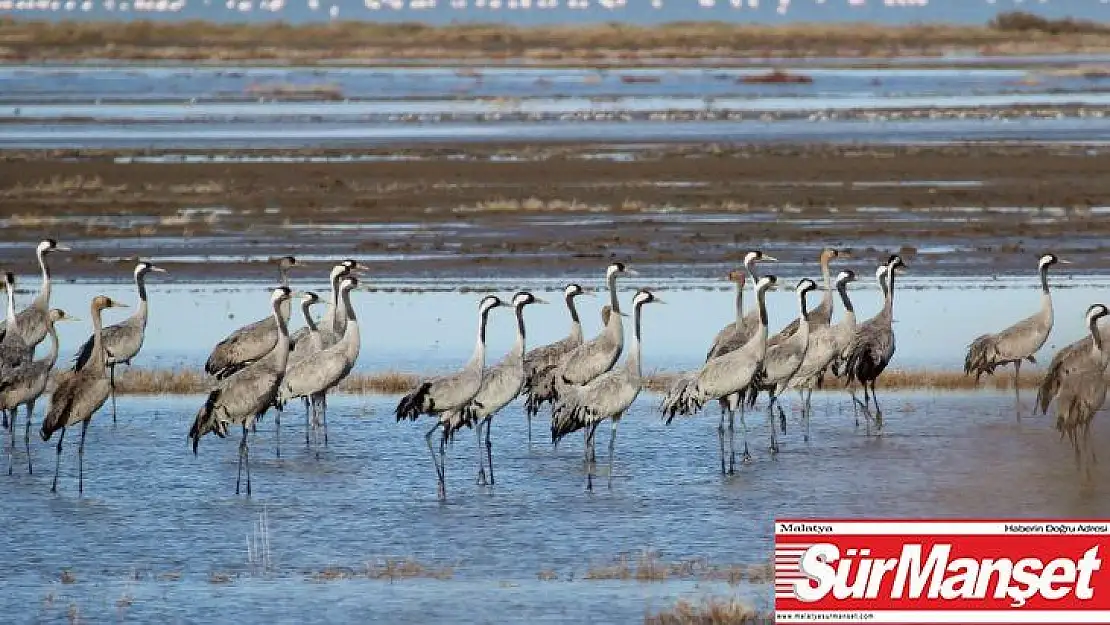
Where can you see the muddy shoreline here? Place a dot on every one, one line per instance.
(515, 209)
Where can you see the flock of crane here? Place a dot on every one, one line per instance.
(262, 366)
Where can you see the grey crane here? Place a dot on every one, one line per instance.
(244, 396)
(33, 319)
(1068, 361)
(610, 394)
(14, 350)
(1083, 392)
(837, 368)
(733, 336)
(821, 315)
(437, 395)
(29, 384)
(122, 340)
(1018, 342)
(782, 360)
(825, 344)
(310, 344)
(252, 341)
(541, 362)
(314, 375)
(501, 384)
(330, 327)
(596, 356)
(79, 395)
(725, 375)
(872, 347)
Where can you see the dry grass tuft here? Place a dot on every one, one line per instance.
(406, 569)
(709, 612)
(216, 577)
(68, 577)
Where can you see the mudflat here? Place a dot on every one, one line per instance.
(550, 209)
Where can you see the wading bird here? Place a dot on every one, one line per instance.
(435, 396)
(724, 376)
(608, 395)
(29, 384)
(310, 344)
(501, 384)
(821, 315)
(594, 357)
(79, 395)
(122, 340)
(1017, 342)
(872, 347)
(252, 341)
(14, 350)
(33, 319)
(540, 363)
(314, 375)
(244, 396)
(1083, 391)
(733, 336)
(825, 344)
(782, 360)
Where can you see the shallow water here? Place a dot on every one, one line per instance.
(152, 509)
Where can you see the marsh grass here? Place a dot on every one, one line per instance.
(191, 381)
(647, 566)
(709, 612)
(601, 44)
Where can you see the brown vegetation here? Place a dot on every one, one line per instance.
(602, 44)
(777, 76)
(709, 612)
(649, 567)
(189, 381)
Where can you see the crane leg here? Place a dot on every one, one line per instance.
(878, 411)
(308, 406)
(745, 457)
(721, 435)
(247, 460)
(612, 447)
(481, 455)
(489, 451)
(324, 405)
(81, 458)
(112, 388)
(277, 430)
(58, 460)
(731, 441)
(1017, 387)
(27, 435)
(435, 459)
(528, 413)
(771, 421)
(443, 465)
(5, 419)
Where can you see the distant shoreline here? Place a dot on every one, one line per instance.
(603, 45)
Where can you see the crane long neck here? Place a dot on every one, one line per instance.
(518, 345)
(45, 294)
(750, 266)
(1044, 279)
(613, 301)
(140, 284)
(281, 315)
(849, 310)
(802, 309)
(12, 321)
(739, 303)
(479, 357)
(1095, 336)
(634, 355)
(351, 333)
(308, 320)
(573, 310)
(99, 358)
(827, 297)
(52, 355)
(283, 274)
(889, 289)
(761, 304)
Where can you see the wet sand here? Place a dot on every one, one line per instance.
(557, 209)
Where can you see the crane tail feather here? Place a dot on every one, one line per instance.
(415, 403)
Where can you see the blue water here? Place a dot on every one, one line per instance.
(637, 11)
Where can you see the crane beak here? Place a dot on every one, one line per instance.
(631, 272)
(540, 300)
(158, 269)
(62, 248)
(116, 304)
(1064, 262)
(658, 300)
(70, 318)
(768, 259)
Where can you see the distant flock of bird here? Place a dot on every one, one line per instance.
(262, 366)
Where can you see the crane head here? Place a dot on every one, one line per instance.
(644, 296)
(50, 245)
(846, 276)
(574, 290)
(757, 256)
(620, 269)
(488, 303)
